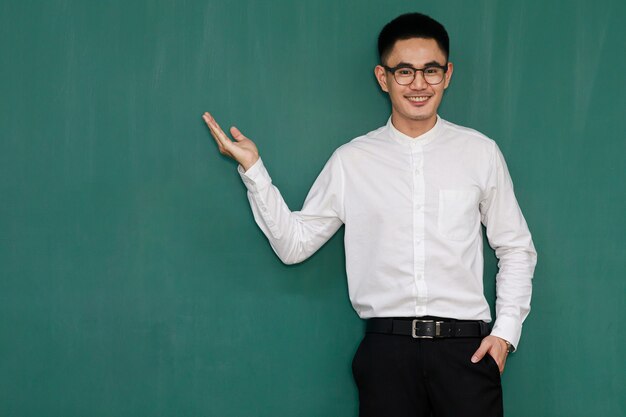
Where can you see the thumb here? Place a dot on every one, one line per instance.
(482, 349)
(237, 134)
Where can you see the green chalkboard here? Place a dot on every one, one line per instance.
(133, 279)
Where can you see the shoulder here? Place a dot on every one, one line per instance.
(463, 134)
(365, 143)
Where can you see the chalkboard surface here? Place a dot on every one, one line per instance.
(133, 279)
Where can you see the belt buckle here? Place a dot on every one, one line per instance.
(437, 329)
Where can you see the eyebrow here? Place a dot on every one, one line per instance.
(428, 64)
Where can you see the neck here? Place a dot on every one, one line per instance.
(413, 128)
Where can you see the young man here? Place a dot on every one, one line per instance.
(412, 195)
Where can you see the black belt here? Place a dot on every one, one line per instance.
(427, 328)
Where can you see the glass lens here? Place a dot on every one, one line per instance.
(404, 76)
(433, 75)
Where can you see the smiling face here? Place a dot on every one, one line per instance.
(414, 106)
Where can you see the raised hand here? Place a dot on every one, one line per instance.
(242, 150)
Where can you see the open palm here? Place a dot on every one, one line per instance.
(242, 150)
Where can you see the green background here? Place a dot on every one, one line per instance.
(134, 281)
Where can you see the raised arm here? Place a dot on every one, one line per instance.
(294, 236)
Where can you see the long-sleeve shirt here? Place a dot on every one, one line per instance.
(412, 209)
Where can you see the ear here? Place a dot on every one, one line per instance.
(381, 76)
(448, 75)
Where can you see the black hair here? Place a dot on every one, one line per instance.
(412, 25)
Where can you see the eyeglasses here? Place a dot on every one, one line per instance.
(404, 74)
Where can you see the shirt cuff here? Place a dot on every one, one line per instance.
(256, 177)
(508, 329)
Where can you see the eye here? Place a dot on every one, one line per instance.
(432, 70)
(404, 72)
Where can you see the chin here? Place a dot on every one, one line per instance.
(420, 117)
(416, 114)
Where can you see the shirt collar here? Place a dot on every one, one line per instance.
(422, 139)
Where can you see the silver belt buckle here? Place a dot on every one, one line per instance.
(437, 329)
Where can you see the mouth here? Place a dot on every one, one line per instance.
(419, 100)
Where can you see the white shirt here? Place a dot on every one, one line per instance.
(413, 209)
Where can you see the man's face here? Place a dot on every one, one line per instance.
(414, 106)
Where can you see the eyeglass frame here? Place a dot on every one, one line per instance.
(393, 70)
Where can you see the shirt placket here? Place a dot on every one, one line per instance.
(419, 193)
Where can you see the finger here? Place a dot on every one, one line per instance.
(480, 352)
(216, 130)
(216, 137)
(237, 134)
(218, 134)
(213, 125)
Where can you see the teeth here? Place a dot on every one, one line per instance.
(418, 98)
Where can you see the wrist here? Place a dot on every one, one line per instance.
(246, 165)
(505, 344)
(509, 346)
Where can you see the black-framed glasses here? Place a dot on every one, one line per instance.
(405, 74)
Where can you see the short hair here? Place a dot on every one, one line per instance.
(412, 25)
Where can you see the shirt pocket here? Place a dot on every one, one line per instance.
(458, 213)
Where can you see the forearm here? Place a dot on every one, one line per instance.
(294, 236)
(513, 290)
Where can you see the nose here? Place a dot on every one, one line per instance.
(419, 82)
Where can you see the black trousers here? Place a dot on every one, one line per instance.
(398, 376)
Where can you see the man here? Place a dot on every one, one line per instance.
(412, 195)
